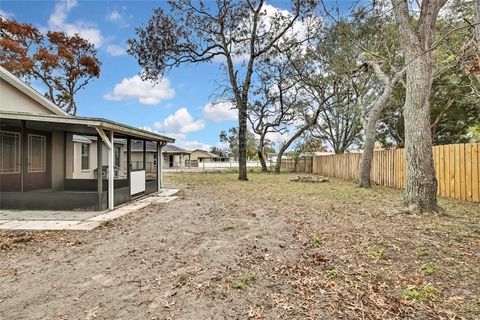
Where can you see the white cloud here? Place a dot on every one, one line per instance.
(192, 144)
(220, 111)
(146, 92)
(181, 122)
(6, 15)
(114, 16)
(182, 141)
(58, 21)
(115, 50)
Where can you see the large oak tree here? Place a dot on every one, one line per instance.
(234, 33)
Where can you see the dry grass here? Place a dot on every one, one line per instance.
(263, 249)
(354, 255)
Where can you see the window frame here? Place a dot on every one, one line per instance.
(43, 155)
(87, 156)
(18, 154)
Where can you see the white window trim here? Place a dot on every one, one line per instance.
(43, 168)
(19, 153)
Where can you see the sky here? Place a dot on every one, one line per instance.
(180, 105)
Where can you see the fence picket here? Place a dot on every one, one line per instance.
(457, 168)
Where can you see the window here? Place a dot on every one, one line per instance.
(85, 156)
(117, 156)
(37, 153)
(9, 152)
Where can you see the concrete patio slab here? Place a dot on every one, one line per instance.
(84, 226)
(47, 215)
(10, 224)
(167, 192)
(44, 225)
(76, 220)
(164, 199)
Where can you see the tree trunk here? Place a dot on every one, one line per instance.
(278, 164)
(261, 158)
(476, 5)
(370, 134)
(421, 189)
(421, 186)
(242, 142)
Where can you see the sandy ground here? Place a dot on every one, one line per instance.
(264, 249)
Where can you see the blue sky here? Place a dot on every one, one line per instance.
(177, 106)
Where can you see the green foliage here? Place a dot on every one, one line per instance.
(106, 224)
(429, 269)
(244, 281)
(231, 140)
(332, 273)
(421, 293)
(378, 254)
(317, 242)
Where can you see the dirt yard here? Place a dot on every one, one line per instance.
(264, 249)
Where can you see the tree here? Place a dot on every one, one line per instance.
(231, 140)
(219, 152)
(455, 92)
(271, 111)
(195, 32)
(64, 64)
(416, 39)
(339, 125)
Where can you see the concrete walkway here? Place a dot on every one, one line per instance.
(76, 220)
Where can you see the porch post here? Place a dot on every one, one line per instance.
(23, 155)
(145, 156)
(99, 171)
(159, 168)
(129, 165)
(111, 173)
(160, 165)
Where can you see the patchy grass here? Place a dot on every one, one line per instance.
(266, 248)
(421, 293)
(106, 224)
(245, 280)
(429, 269)
(317, 242)
(384, 256)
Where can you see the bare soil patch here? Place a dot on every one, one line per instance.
(263, 249)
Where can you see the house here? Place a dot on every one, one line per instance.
(52, 160)
(173, 156)
(200, 155)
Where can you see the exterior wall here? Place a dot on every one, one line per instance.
(201, 156)
(58, 160)
(14, 100)
(178, 160)
(78, 173)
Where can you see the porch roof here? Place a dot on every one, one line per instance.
(85, 124)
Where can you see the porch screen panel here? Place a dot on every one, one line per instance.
(37, 155)
(9, 152)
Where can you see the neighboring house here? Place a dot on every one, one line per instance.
(51, 160)
(200, 155)
(173, 156)
(82, 153)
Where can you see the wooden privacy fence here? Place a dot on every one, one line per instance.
(301, 164)
(457, 167)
